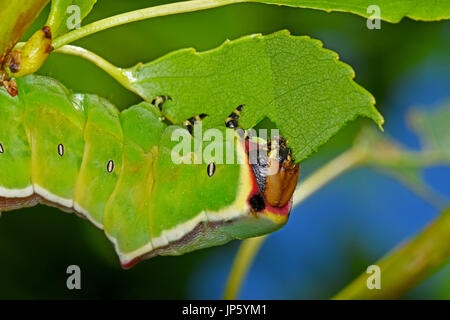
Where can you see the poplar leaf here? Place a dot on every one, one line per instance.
(389, 10)
(301, 87)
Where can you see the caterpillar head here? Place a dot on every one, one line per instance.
(275, 177)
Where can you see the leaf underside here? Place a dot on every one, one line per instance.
(301, 87)
(390, 10)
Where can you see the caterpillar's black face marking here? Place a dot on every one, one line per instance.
(211, 169)
(257, 202)
(2, 150)
(110, 166)
(60, 150)
(260, 171)
(189, 123)
(159, 101)
(232, 120)
(274, 169)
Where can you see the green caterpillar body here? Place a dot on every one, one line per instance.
(79, 153)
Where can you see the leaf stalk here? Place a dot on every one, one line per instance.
(138, 15)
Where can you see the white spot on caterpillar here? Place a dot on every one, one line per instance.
(110, 166)
(211, 169)
(60, 149)
(2, 150)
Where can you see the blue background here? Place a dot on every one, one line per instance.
(330, 239)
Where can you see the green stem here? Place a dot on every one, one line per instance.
(138, 15)
(346, 161)
(249, 248)
(407, 265)
(115, 72)
(241, 264)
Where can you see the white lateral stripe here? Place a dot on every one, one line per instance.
(173, 234)
(28, 191)
(161, 241)
(179, 231)
(88, 216)
(238, 208)
(16, 193)
(68, 203)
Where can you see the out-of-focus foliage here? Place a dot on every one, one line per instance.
(433, 129)
(385, 154)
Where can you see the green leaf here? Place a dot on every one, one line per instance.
(390, 10)
(64, 12)
(293, 81)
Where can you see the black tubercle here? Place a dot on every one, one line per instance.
(190, 128)
(232, 124)
(234, 116)
(191, 120)
(257, 202)
(232, 120)
(189, 123)
(159, 101)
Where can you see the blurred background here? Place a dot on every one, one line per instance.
(330, 239)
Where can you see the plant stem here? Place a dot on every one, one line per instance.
(406, 265)
(347, 160)
(112, 70)
(249, 247)
(246, 254)
(137, 15)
